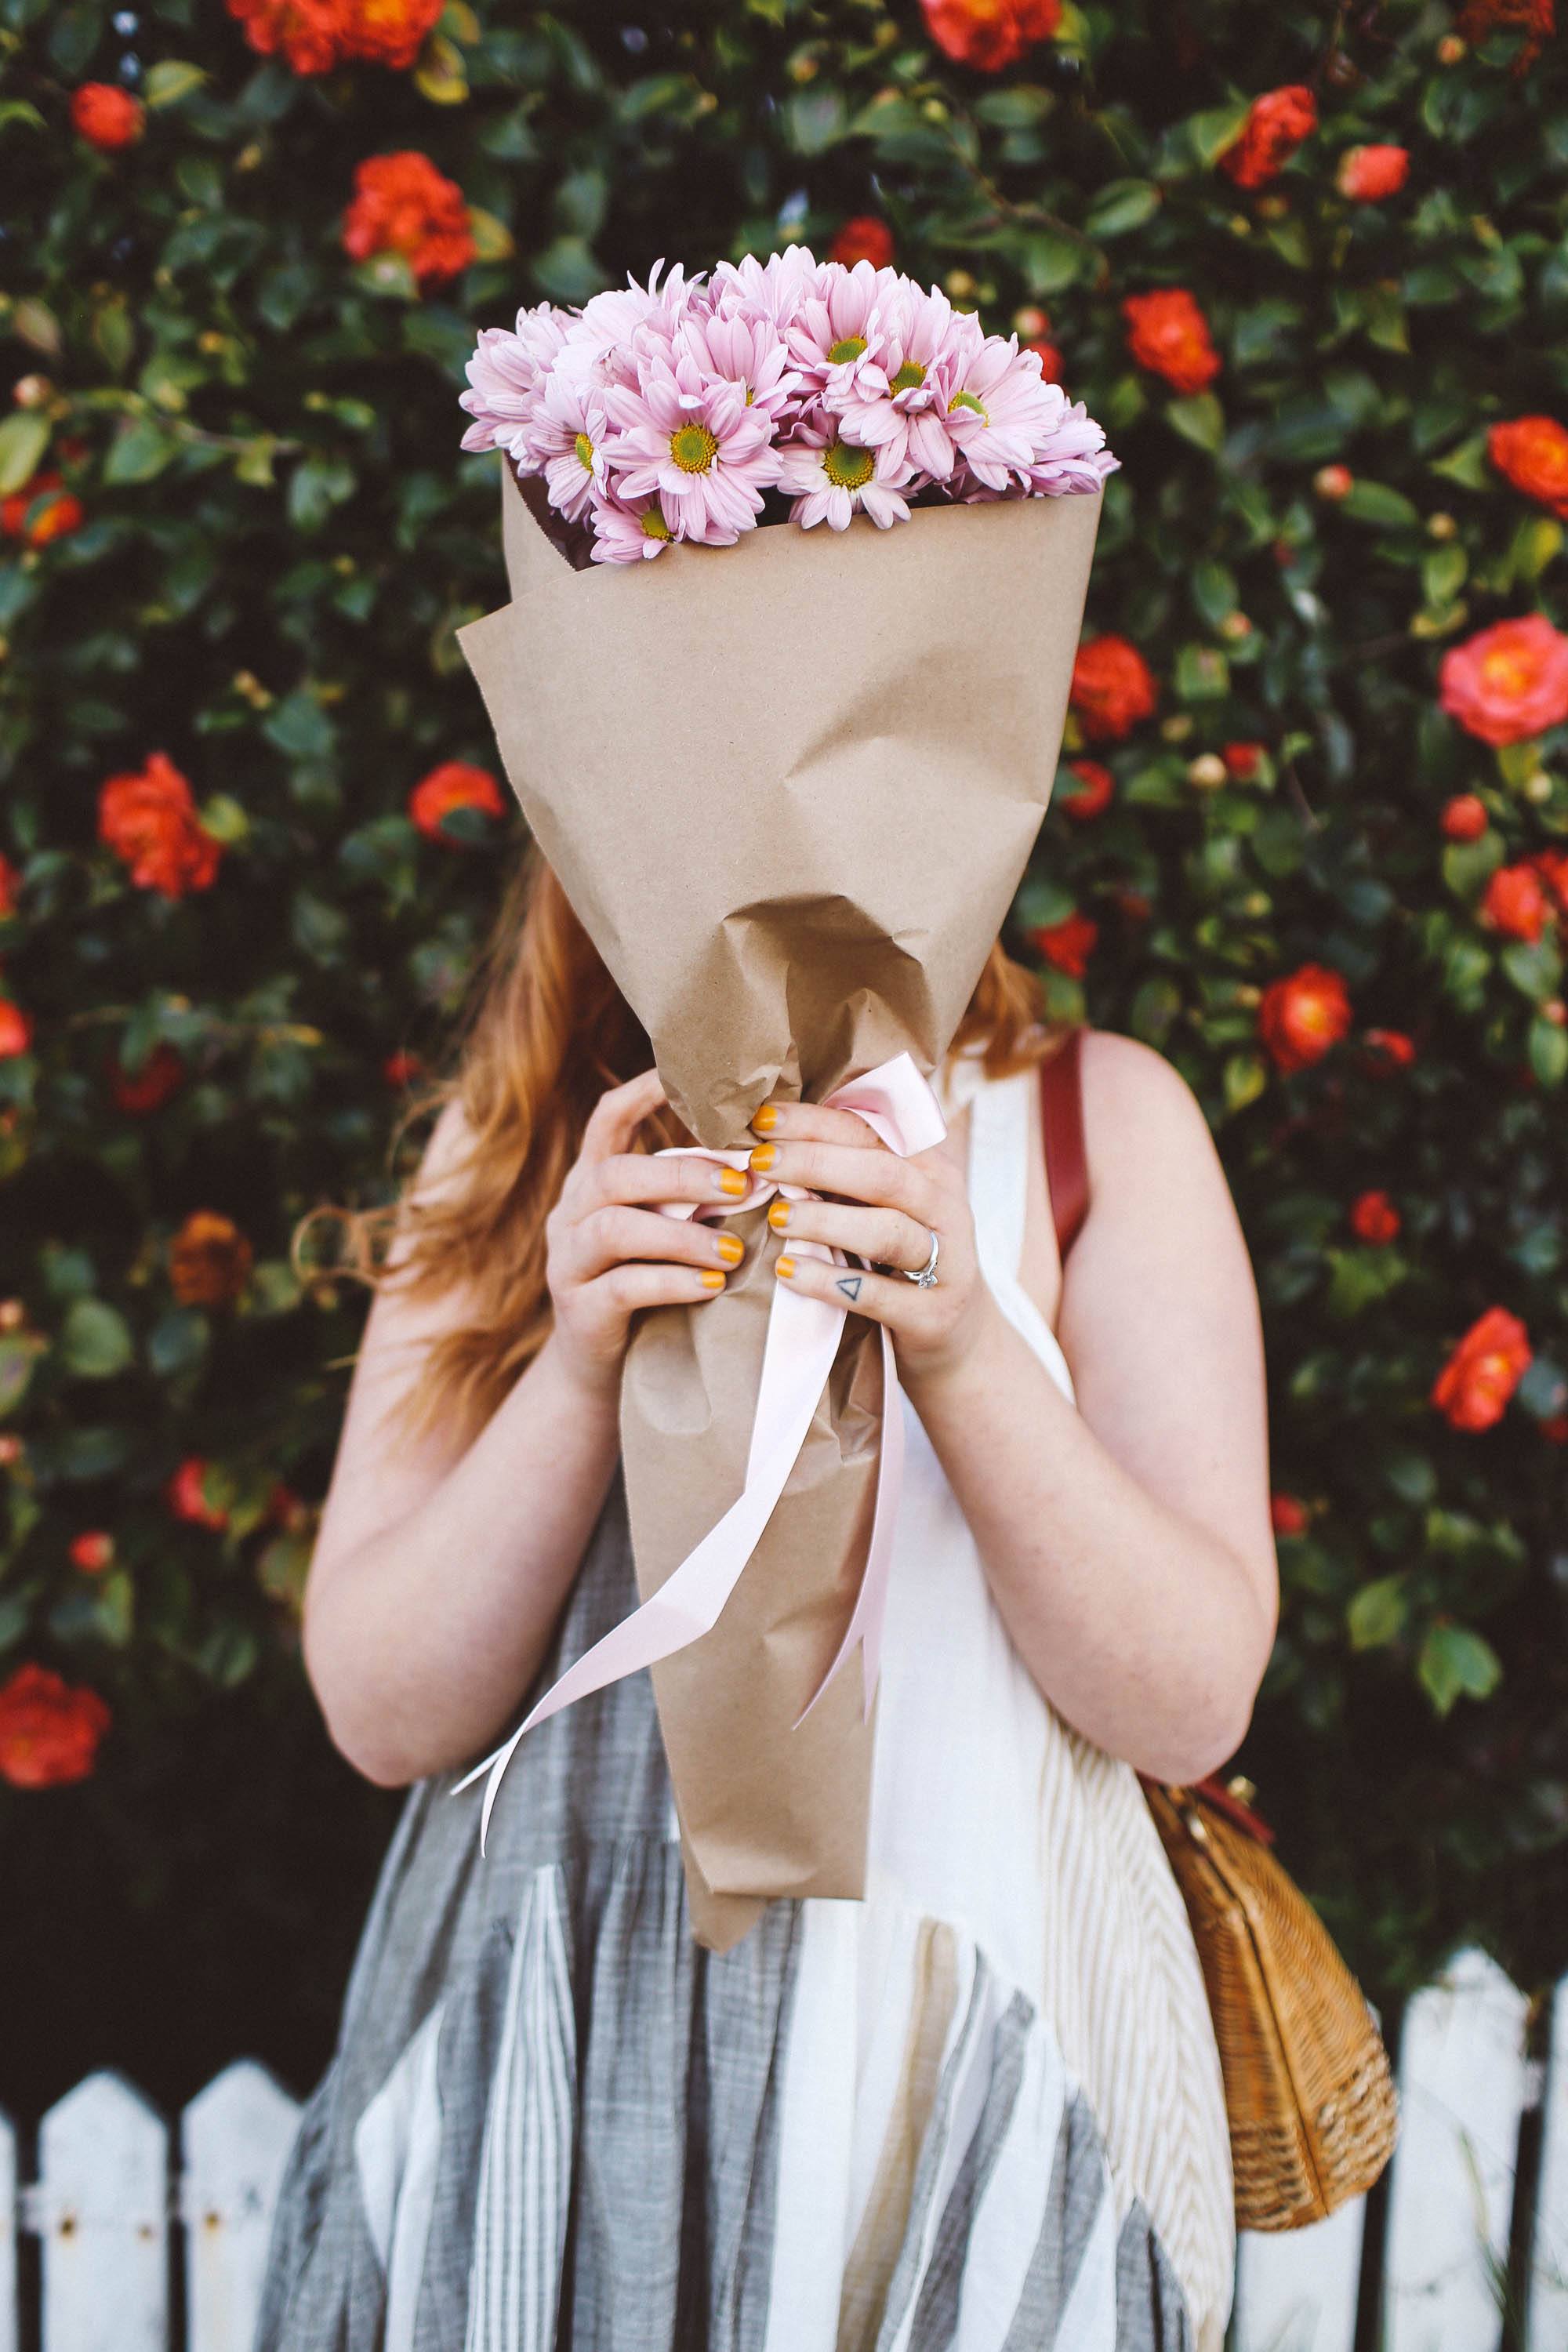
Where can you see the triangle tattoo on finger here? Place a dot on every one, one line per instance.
(850, 1285)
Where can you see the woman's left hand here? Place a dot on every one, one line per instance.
(884, 1210)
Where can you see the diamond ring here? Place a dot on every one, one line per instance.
(926, 1278)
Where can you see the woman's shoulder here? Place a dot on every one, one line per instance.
(1143, 1122)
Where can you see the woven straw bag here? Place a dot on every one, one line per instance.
(1308, 2091)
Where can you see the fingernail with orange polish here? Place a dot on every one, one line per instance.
(712, 1281)
(763, 1157)
(778, 1215)
(784, 1269)
(764, 1120)
(730, 1248)
(731, 1181)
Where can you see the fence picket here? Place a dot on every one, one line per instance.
(7, 2234)
(235, 2135)
(1462, 2092)
(101, 2211)
(1296, 2289)
(1546, 2321)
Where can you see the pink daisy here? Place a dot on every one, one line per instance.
(999, 409)
(506, 378)
(829, 479)
(895, 396)
(749, 352)
(625, 533)
(696, 442)
(1072, 457)
(565, 442)
(837, 328)
(612, 331)
(774, 288)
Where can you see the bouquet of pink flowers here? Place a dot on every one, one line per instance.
(789, 796)
(670, 411)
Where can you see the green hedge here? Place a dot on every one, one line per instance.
(239, 534)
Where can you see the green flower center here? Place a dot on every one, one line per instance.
(910, 378)
(693, 448)
(654, 525)
(584, 453)
(847, 468)
(968, 400)
(850, 348)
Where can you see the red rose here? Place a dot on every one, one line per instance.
(1287, 1516)
(864, 238)
(49, 1733)
(1300, 1016)
(149, 1088)
(990, 34)
(150, 822)
(1537, 19)
(1532, 452)
(388, 31)
(209, 1260)
(1097, 788)
(453, 785)
(1388, 1050)
(402, 204)
(1515, 902)
(313, 35)
(105, 116)
(1483, 1372)
(1552, 865)
(1509, 682)
(1112, 687)
(1373, 1217)
(1068, 945)
(15, 1030)
(402, 1069)
(93, 1551)
(185, 1496)
(1167, 333)
(10, 885)
(1464, 817)
(1275, 126)
(1367, 174)
(1241, 760)
(40, 510)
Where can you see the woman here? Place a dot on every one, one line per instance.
(981, 2108)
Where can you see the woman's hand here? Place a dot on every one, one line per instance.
(610, 1253)
(882, 1209)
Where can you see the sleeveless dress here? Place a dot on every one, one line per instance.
(980, 2110)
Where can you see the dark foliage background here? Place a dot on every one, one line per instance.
(275, 538)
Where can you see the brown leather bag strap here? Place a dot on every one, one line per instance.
(1061, 1128)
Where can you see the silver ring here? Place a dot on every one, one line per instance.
(926, 1278)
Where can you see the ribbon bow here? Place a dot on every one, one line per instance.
(803, 1338)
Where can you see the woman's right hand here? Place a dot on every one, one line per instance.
(609, 1251)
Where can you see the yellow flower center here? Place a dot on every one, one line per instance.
(654, 525)
(584, 453)
(847, 468)
(693, 448)
(849, 347)
(910, 378)
(968, 400)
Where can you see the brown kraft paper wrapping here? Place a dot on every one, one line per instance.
(790, 788)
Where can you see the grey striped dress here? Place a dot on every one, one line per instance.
(980, 2110)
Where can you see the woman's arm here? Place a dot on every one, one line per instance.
(440, 1570)
(1128, 1543)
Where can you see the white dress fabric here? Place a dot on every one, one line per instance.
(1001, 1834)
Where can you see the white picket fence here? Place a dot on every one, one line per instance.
(110, 2216)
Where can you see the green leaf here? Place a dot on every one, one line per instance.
(177, 1341)
(1049, 262)
(1202, 674)
(1210, 133)
(1121, 206)
(170, 80)
(1377, 1613)
(814, 121)
(19, 1353)
(1469, 866)
(1549, 1052)
(139, 452)
(1199, 419)
(1467, 464)
(1246, 1077)
(1376, 503)
(95, 1340)
(24, 439)
(317, 484)
(1534, 966)
(1454, 1662)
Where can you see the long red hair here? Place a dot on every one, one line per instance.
(548, 1033)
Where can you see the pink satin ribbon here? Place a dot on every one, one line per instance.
(802, 1342)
